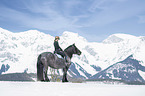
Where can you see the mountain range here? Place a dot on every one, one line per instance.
(120, 56)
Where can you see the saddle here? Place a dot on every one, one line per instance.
(59, 56)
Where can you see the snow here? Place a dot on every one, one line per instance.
(125, 36)
(68, 89)
(142, 74)
(116, 38)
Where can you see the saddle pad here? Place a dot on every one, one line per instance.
(59, 56)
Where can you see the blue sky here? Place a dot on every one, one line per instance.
(93, 19)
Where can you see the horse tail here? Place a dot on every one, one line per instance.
(39, 69)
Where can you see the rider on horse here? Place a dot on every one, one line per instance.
(58, 49)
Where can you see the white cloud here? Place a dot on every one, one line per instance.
(47, 18)
(113, 11)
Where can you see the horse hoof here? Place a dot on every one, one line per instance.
(65, 81)
(42, 80)
(47, 80)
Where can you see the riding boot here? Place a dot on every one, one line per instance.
(65, 59)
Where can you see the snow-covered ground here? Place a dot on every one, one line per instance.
(68, 89)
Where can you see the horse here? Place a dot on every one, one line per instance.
(48, 59)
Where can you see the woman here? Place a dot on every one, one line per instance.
(58, 49)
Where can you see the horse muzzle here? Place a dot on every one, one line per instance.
(79, 53)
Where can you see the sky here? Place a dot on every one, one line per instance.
(93, 19)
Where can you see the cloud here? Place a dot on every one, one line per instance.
(53, 17)
(113, 11)
(12, 15)
(40, 15)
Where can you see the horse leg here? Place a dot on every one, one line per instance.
(64, 79)
(45, 69)
(45, 73)
(40, 71)
(40, 76)
(46, 77)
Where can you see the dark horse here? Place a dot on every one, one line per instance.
(49, 59)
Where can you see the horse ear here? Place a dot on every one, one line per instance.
(74, 44)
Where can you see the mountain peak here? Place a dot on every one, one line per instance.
(124, 36)
(4, 31)
(116, 38)
(31, 32)
(69, 34)
(73, 36)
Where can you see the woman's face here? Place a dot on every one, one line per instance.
(57, 39)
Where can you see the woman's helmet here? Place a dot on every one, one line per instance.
(57, 37)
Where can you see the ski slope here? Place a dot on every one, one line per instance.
(68, 89)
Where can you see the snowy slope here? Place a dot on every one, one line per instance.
(19, 51)
(126, 70)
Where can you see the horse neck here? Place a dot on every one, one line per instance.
(69, 53)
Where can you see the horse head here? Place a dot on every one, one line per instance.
(76, 50)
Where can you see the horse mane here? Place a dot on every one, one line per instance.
(68, 48)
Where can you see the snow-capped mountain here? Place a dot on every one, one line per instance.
(126, 70)
(19, 51)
